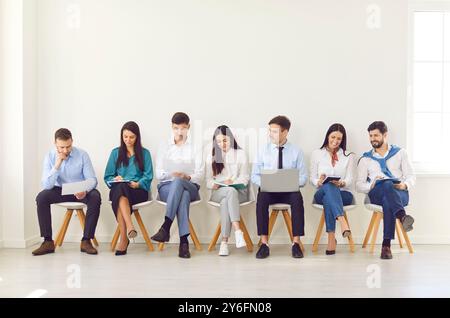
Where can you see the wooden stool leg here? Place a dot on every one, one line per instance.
(351, 243)
(213, 242)
(247, 238)
(319, 232)
(197, 244)
(379, 215)
(64, 227)
(398, 230)
(408, 242)
(61, 229)
(115, 239)
(288, 222)
(272, 219)
(160, 246)
(369, 230)
(82, 218)
(137, 215)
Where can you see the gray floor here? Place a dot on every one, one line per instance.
(68, 273)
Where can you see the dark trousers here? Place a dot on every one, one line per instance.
(393, 201)
(134, 196)
(294, 199)
(47, 197)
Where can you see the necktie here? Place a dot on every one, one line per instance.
(280, 157)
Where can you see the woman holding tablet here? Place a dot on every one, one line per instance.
(128, 174)
(227, 176)
(331, 172)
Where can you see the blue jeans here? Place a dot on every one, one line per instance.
(178, 194)
(333, 201)
(392, 201)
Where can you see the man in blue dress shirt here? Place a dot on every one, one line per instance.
(67, 164)
(279, 154)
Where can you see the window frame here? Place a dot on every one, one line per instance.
(421, 168)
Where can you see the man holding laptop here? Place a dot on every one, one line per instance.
(67, 164)
(386, 175)
(279, 171)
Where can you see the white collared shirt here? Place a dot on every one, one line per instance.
(321, 164)
(399, 165)
(185, 153)
(235, 168)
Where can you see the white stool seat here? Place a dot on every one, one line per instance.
(279, 206)
(142, 204)
(346, 207)
(158, 200)
(251, 197)
(139, 205)
(240, 204)
(72, 205)
(191, 204)
(370, 206)
(373, 207)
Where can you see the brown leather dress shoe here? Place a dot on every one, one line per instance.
(46, 247)
(86, 247)
(386, 252)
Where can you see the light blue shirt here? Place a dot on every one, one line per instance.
(267, 158)
(77, 167)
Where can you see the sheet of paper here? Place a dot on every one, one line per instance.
(179, 166)
(75, 187)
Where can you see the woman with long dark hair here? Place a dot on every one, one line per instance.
(128, 174)
(332, 159)
(227, 176)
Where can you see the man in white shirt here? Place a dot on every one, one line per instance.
(179, 169)
(386, 175)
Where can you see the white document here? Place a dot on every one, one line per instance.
(75, 187)
(186, 167)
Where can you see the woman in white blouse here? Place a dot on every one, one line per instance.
(228, 177)
(332, 160)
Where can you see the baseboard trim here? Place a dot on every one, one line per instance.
(421, 240)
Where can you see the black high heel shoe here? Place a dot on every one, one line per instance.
(332, 252)
(346, 233)
(124, 252)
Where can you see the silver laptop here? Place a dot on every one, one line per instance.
(280, 180)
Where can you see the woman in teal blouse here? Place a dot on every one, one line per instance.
(128, 174)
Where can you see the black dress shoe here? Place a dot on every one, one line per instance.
(263, 251)
(297, 251)
(386, 252)
(407, 222)
(124, 252)
(162, 236)
(183, 251)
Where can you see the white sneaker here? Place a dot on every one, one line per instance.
(223, 251)
(239, 237)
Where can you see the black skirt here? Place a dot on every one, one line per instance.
(134, 196)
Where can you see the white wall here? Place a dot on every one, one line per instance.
(18, 122)
(1, 116)
(234, 62)
(12, 117)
